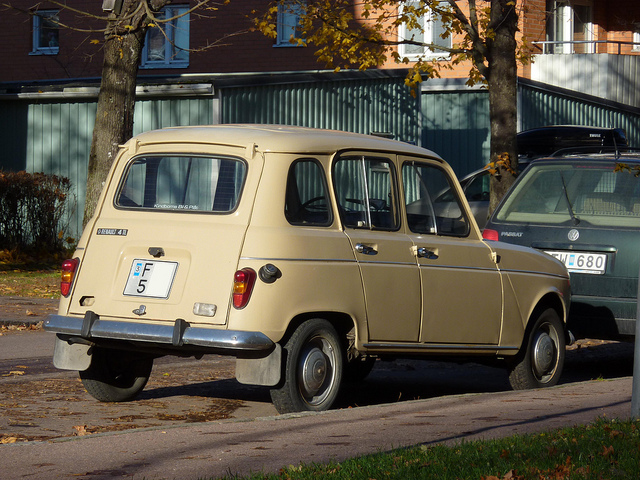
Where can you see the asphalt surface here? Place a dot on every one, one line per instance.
(268, 444)
(229, 447)
(25, 311)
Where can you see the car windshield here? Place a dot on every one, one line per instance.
(579, 192)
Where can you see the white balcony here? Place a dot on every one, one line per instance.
(610, 76)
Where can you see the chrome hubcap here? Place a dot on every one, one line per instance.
(314, 372)
(544, 352)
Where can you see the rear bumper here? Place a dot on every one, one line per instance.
(174, 336)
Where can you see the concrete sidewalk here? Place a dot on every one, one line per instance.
(268, 444)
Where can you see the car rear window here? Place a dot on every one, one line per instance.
(596, 194)
(182, 183)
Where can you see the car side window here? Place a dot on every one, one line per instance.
(478, 189)
(306, 198)
(432, 204)
(365, 190)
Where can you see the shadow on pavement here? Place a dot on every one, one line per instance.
(399, 380)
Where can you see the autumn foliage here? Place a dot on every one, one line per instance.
(32, 211)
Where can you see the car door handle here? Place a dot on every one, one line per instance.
(423, 252)
(365, 249)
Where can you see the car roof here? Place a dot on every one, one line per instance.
(278, 138)
(620, 157)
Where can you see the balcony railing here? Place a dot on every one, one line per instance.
(588, 46)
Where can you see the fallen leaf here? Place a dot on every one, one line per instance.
(80, 430)
(5, 440)
(607, 451)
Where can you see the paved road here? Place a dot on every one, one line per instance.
(268, 444)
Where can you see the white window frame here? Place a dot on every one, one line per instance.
(428, 37)
(288, 20)
(636, 41)
(564, 13)
(38, 25)
(177, 37)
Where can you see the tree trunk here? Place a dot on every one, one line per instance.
(124, 40)
(503, 108)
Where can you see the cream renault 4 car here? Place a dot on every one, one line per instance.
(305, 254)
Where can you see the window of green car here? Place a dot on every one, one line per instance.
(598, 194)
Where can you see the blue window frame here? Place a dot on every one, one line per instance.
(167, 43)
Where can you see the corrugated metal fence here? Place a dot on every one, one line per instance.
(363, 106)
(54, 136)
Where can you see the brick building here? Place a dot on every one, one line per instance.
(221, 41)
(585, 71)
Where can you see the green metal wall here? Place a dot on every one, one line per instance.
(543, 105)
(362, 106)
(55, 136)
(455, 124)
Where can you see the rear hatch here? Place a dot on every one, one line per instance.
(166, 242)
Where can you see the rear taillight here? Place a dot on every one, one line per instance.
(489, 234)
(69, 268)
(243, 282)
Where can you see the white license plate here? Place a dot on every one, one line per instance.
(149, 278)
(582, 262)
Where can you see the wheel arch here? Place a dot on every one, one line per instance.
(342, 322)
(549, 300)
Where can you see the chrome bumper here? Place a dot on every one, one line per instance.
(175, 335)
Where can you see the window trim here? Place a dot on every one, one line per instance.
(37, 27)
(563, 11)
(183, 22)
(362, 158)
(284, 30)
(427, 54)
(417, 163)
(325, 186)
(636, 40)
(183, 211)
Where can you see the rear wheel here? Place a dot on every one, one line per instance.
(312, 369)
(116, 375)
(540, 362)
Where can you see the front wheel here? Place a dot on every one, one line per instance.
(116, 375)
(540, 362)
(313, 367)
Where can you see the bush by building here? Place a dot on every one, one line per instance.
(32, 212)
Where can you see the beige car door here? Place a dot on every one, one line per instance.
(461, 286)
(367, 195)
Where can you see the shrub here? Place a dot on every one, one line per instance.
(32, 208)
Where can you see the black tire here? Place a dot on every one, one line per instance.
(116, 375)
(357, 370)
(541, 360)
(313, 363)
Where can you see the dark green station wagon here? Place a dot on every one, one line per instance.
(585, 211)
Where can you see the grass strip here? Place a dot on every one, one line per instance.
(605, 449)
